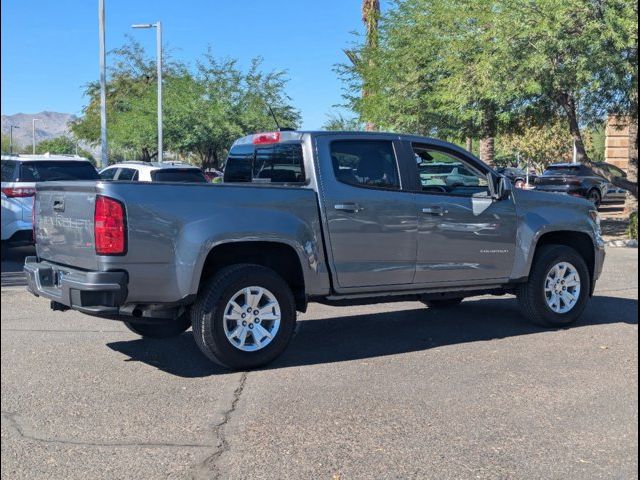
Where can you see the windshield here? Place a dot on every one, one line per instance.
(48, 171)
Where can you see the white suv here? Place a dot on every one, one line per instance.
(153, 172)
(19, 176)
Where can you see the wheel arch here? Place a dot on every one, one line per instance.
(578, 241)
(280, 257)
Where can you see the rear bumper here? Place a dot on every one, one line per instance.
(95, 293)
(17, 228)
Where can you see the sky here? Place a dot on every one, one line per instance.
(50, 48)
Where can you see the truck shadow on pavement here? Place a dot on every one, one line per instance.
(357, 337)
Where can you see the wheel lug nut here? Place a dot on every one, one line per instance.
(244, 315)
(251, 326)
(257, 320)
(244, 324)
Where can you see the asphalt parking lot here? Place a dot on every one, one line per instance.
(384, 391)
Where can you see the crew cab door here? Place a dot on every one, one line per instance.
(464, 235)
(369, 220)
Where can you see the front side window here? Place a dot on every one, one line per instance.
(280, 163)
(445, 172)
(365, 163)
(108, 174)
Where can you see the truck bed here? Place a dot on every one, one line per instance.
(172, 226)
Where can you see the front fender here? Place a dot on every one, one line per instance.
(541, 213)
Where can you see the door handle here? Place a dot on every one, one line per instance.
(349, 207)
(439, 211)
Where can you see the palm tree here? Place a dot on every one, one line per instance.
(371, 20)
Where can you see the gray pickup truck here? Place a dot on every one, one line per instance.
(333, 217)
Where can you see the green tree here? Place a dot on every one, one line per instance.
(5, 143)
(577, 58)
(219, 103)
(474, 69)
(538, 145)
(63, 146)
(131, 103)
(204, 108)
(429, 73)
(337, 122)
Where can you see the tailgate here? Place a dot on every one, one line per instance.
(64, 223)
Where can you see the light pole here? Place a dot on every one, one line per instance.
(104, 152)
(158, 27)
(11, 127)
(33, 134)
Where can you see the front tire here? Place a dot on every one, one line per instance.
(244, 317)
(558, 288)
(594, 197)
(168, 329)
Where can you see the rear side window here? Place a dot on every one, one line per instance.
(9, 170)
(127, 174)
(366, 163)
(182, 175)
(562, 171)
(280, 163)
(49, 171)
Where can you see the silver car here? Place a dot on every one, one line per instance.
(19, 176)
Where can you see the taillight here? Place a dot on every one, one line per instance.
(266, 138)
(13, 192)
(109, 227)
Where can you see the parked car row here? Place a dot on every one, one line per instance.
(571, 179)
(21, 172)
(439, 172)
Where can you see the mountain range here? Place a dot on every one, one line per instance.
(48, 125)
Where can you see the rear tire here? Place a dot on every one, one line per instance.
(448, 303)
(220, 310)
(168, 329)
(534, 299)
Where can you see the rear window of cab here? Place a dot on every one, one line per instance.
(278, 163)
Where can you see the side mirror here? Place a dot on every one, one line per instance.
(504, 188)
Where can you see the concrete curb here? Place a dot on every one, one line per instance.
(622, 244)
